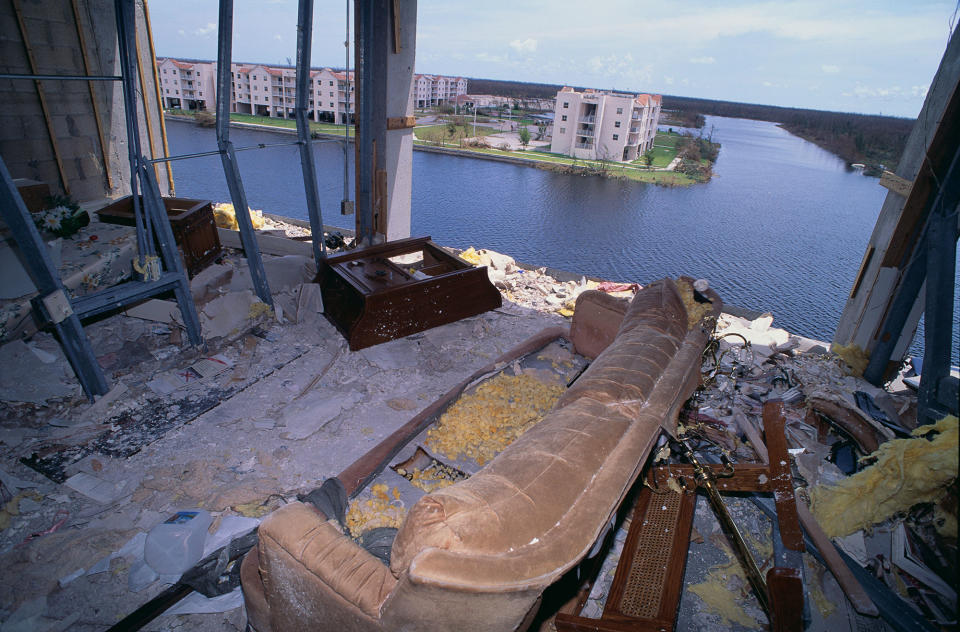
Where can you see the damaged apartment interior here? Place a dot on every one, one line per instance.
(261, 428)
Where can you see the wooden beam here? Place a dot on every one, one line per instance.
(395, 20)
(93, 96)
(42, 96)
(858, 597)
(156, 83)
(268, 243)
(892, 182)
(401, 122)
(151, 135)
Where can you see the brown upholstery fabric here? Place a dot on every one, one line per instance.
(536, 508)
(596, 320)
(477, 555)
(258, 612)
(298, 537)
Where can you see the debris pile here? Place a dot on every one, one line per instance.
(535, 288)
(227, 428)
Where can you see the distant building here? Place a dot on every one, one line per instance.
(600, 125)
(433, 90)
(271, 90)
(188, 85)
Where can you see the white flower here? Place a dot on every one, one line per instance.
(61, 211)
(51, 222)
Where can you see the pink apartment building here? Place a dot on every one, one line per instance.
(600, 125)
(271, 90)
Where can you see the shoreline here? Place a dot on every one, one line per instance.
(668, 179)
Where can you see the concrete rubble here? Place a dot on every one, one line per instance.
(276, 403)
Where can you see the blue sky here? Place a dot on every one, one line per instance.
(872, 57)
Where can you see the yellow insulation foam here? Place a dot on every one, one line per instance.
(483, 423)
(225, 217)
(382, 509)
(906, 472)
(855, 357)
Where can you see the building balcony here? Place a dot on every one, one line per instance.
(589, 120)
(584, 145)
(585, 132)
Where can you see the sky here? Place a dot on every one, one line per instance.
(874, 57)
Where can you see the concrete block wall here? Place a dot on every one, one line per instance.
(25, 143)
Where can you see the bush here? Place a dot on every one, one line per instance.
(206, 119)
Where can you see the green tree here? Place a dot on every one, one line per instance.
(648, 157)
(524, 136)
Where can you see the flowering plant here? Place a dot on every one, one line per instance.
(63, 217)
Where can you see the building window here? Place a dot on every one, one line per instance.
(331, 83)
(616, 137)
(566, 104)
(164, 71)
(563, 118)
(563, 130)
(331, 94)
(168, 90)
(617, 124)
(254, 77)
(201, 94)
(331, 104)
(619, 110)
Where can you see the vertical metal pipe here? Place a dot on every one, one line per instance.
(304, 45)
(229, 158)
(126, 24)
(363, 36)
(941, 244)
(346, 114)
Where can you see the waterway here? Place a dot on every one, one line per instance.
(781, 227)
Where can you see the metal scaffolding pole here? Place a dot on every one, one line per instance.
(52, 299)
(126, 28)
(933, 262)
(372, 35)
(229, 158)
(304, 46)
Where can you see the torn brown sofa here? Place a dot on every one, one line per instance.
(478, 555)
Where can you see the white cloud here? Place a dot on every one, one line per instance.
(830, 69)
(702, 60)
(861, 91)
(278, 37)
(211, 27)
(524, 47)
(181, 33)
(485, 56)
(668, 81)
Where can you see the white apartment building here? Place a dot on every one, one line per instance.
(600, 125)
(271, 90)
(188, 85)
(433, 90)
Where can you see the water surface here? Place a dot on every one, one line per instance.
(781, 227)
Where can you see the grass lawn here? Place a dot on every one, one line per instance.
(325, 128)
(438, 133)
(664, 150)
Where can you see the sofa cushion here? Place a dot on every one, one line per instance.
(299, 531)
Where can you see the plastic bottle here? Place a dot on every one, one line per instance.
(175, 545)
